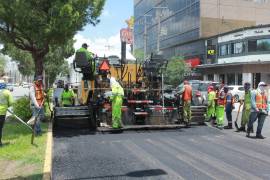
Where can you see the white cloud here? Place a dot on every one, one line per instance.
(101, 46)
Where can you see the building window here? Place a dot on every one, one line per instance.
(231, 79)
(238, 48)
(259, 45)
(240, 79)
(210, 77)
(224, 50)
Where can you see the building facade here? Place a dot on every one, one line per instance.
(238, 56)
(180, 26)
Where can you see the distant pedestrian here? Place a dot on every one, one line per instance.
(229, 106)
(6, 101)
(246, 107)
(259, 109)
(220, 109)
(211, 105)
(187, 98)
(37, 96)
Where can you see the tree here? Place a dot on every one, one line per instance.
(37, 25)
(23, 58)
(175, 71)
(55, 63)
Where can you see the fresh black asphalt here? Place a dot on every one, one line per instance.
(199, 152)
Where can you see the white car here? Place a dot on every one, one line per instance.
(238, 92)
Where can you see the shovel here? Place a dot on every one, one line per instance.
(20, 120)
(235, 122)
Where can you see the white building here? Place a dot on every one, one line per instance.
(238, 56)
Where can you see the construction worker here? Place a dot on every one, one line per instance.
(6, 101)
(89, 55)
(187, 97)
(211, 115)
(259, 109)
(220, 109)
(229, 106)
(67, 97)
(37, 97)
(117, 100)
(246, 108)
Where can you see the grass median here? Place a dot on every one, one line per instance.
(18, 157)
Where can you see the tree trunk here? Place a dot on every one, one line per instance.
(39, 63)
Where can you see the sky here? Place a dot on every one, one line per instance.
(107, 32)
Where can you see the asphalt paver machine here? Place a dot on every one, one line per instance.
(82, 115)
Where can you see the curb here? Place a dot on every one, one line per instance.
(47, 168)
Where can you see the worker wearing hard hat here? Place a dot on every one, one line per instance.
(6, 101)
(89, 55)
(246, 107)
(211, 108)
(259, 109)
(117, 100)
(187, 97)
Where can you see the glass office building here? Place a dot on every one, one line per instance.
(184, 24)
(179, 23)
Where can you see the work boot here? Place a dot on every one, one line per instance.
(187, 125)
(229, 126)
(241, 129)
(248, 133)
(259, 136)
(251, 130)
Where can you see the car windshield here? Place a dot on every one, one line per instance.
(195, 86)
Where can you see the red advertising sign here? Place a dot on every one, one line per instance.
(193, 62)
(126, 35)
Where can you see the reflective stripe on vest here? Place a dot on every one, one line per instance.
(261, 101)
(39, 94)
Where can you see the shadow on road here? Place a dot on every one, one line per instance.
(135, 174)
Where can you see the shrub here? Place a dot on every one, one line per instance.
(22, 108)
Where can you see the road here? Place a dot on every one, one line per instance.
(200, 152)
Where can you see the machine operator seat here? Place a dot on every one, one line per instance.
(81, 62)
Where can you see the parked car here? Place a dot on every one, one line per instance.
(26, 85)
(238, 92)
(10, 87)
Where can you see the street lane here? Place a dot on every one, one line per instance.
(199, 152)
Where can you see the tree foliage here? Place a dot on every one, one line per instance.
(175, 71)
(37, 25)
(23, 58)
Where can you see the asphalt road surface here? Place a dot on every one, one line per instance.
(199, 152)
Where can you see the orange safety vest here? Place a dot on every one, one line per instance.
(39, 94)
(221, 100)
(261, 101)
(187, 94)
